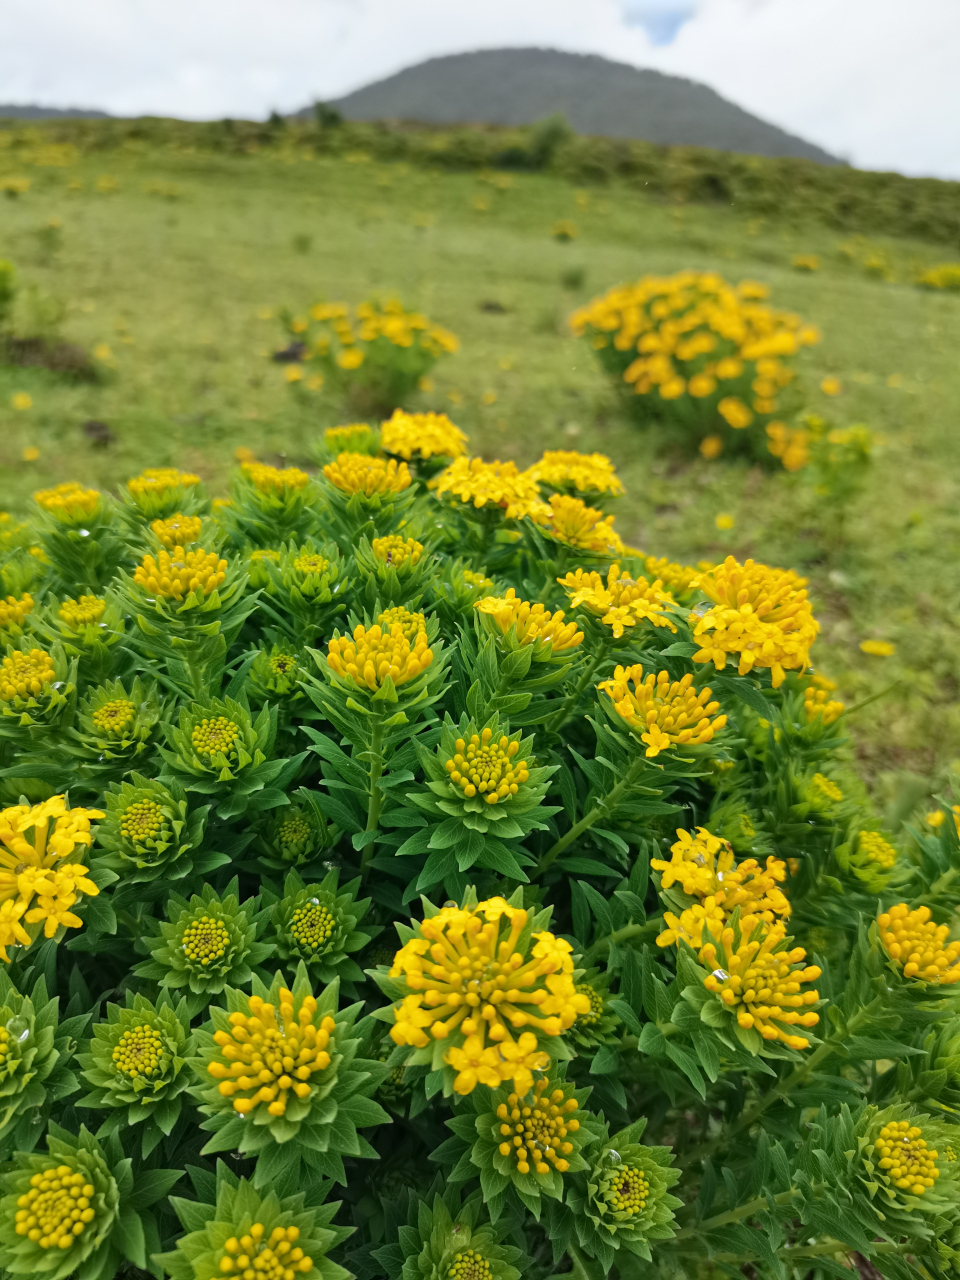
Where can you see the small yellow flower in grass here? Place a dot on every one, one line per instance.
(878, 648)
(21, 400)
(372, 656)
(535, 1129)
(903, 1154)
(533, 621)
(895, 380)
(397, 551)
(935, 819)
(293, 373)
(700, 386)
(919, 946)
(470, 983)
(760, 614)
(734, 412)
(564, 229)
(498, 483)
(585, 472)
(256, 1052)
(13, 611)
(350, 358)
(272, 480)
(102, 352)
(359, 473)
(831, 386)
(806, 262)
(724, 521)
(177, 573)
(243, 454)
(711, 447)
(31, 453)
(428, 435)
(488, 398)
(620, 601)
(483, 766)
(667, 712)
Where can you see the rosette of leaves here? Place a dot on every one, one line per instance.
(35, 1051)
(304, 591)
(136, 1066)
(523, 1147)
(267, 515)
(441, 1237)
(218, 750)
(115, 726)
(150, 831)
(275, 675)
(38, 691)
(308, 1120)
(89, 628)
(204, 944)
(232, 1218)
(463, 825)
(296, 835)
(453, 592)
(81, 545)
(624, 1202)
(79, 1173)
(318, 925)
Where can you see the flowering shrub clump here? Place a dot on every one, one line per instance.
(398, 828)
(709, 358)
(944, 276)
(377, 355)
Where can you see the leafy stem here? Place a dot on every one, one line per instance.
(375, 795)
(569, 704)
(738, 1214)
(581, 1268)
(603, 806)
(620, 935)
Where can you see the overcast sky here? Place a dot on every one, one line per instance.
(875, 81)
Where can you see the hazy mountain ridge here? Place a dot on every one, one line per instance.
(29, 111)
(597, 96)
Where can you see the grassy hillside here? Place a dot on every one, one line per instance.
(176, 263)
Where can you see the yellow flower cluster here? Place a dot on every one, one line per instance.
(371, 657)
(13, 611)
(271, 1053)
(84, 612)
(694, 335)
(533, 622)
(678, 579)
(919, 946)
(667, 711)
(823, 789)
(57, 1209)
(217, 737)
(817, 700)
(469, 981)
(409, 623)
(621, 601)
(251, 1257)
(273, 481)
(25, 675)
(763, 615)
(32, 870)
(572, 522)
(311, 564)
(161, 480)
(428, 435)
(396, 551)
(534, 1129)
(205, 940)
(389, 321)
(352, 437)
(759, 981)
(138, 1052)
(481, 765)
(499, 483)
(312, 926)
(585, 472)
(71, 502)
(359, 473)
(115, 717)
(902, 1153)
(944, 276)
(872, 848)
(174, 575)
(178, 531)
(790, 444)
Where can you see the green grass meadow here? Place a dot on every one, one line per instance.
(182, 266)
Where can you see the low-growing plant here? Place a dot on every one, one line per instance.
(507, 878)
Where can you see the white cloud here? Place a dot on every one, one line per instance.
(874, 80)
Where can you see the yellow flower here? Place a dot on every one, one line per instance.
(160, 480)
(14, 611)
(919, 946)
(102, 352)
(311, 563)
(86, 611)
(871, 847)
(536, 1128)
(806, 262)
(878, 648)
(174, 575)
(271, 480)
(397, 551)
(667, 712)
(31, 453)
(373, 656)
(817, 702)
(564, 229)
(902, 1153)
(178, 531)
(71, 502)
(680, 578)
(620, 601)
(25, 675)
(831, 386)
(273, 1257)
(823, 788)
(790, 445)
(354, 437)
(350, 358)
(359, 473)
(252, 1067)
(21, 400)
(293, 373)
(734, 412)
(500, 483)
(724, 521)
(761, 614)
(585, 472)
(571, 521)
(533, 622)
(702, 385)
(409, 623)
(428, 435)
(481, 765)
(469, 983)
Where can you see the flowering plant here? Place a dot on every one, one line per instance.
(402, 828)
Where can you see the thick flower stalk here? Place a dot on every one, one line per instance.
(490, 484)
(567, 471)
(663, 712)
(37, 885)
(421, 436)
(487, 994)
(762, 616)
(282, 1064)
(918, 946)
(620, 601)
(531, 623)
(317, 923)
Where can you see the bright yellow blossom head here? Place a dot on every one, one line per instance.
(572, 522)
(13, 611)
(175, 575)
(361, 474)
(178, 531)
(160, 482)
(353, 437)
(71, 503)
(817, 702)
(495, 483)
(919, 946)
(533, 622)
(488, 767)
(86, 611)
(409, 623)
(902, 1153)
(474, 980)
(664, 712)
(760, 614)
(426, 435)
(373, 656)
(276, 1256)
(273, 481)
(585, 472)
(400, 553)
(535, 1129)
(620, 601)
(25, 675)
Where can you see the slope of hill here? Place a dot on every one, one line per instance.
(597, 96)
(27, 111)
